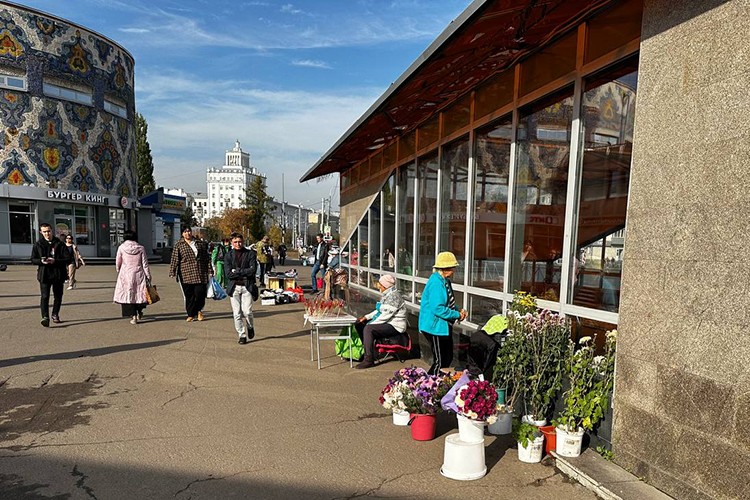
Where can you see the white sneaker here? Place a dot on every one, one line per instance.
(134, 321)
(70, 287)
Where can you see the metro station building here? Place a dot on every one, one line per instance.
(594, 154)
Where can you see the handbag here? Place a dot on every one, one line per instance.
(152, 296)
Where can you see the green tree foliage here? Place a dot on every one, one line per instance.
(143, 160)
(188, 218)
(213, 229)
(257, 202)
(274, 234)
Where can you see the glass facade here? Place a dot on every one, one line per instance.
(529, 174)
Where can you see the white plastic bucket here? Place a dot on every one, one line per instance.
(532, 452)
(503, 425)
(529, 419)
(400, 418)
(569, 443)
(463, 461)
(470, 431)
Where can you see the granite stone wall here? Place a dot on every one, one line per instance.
(58, 143)
(682, 394)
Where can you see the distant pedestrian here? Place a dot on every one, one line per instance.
(75, 264)
(217, 259)
(262, 249)
(132, 276)
(321, 261)
(190, 265)
(52, 257)
(239, 267)
(282, 253)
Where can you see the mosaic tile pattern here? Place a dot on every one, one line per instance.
(58, 143)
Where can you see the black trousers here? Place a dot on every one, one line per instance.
(57, 288)
(264, 268)
(130, 310)
(442, 351)
(368, 334)
(282, 259)
(195, 298)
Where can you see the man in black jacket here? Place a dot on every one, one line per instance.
(321, 261)
(52, 257)
(239, 269)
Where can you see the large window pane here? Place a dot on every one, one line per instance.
(492, 154)
(345, 254)
(613, 28)
(21, 224)
(453, 200)
(364, 247)
(608, 111)
(406, 145)
(495, 94)
(354, 245)
(405, 288)
(375, 233)
(429, 132)
(543, 148)
(389, 224)
(481, 309)
(427, 217)
(406, 176)
(457, 116)
(548, 64)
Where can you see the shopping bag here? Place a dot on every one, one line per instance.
(152, 296)
(210, 291)
(217, 293)
(342, 346)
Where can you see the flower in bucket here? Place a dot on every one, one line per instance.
(477, 400)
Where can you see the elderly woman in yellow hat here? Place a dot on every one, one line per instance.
(438, 312)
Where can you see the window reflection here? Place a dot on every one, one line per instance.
(405, 256)
(453, 200)
(492, 153)
(375, 233)
(540, 192)
(363, 251)
(608, 111)
(428, 171)
(388, 258)
(481, 309)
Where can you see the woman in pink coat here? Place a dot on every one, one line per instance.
(133, 272)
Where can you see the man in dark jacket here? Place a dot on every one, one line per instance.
(239, 268)
(321, 261)
(52, 257)
(282, 253)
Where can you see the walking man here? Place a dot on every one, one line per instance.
(239, 267)
(321, 261)
(52, 258)
(262, 249)
(190, 265)
(282, 253)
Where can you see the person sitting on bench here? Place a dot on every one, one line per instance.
(388, 319)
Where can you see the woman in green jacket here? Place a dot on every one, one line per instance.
(217, 259)
(438, 312)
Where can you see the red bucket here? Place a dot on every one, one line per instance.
(550, 438)
(320, 282)
(422, 427)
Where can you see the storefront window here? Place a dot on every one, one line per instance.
(375, 233)
(406, 145)
(364, 246)
(429, 132)
(389, 224)
(548, 64)
(495, 94)
(453, 200)
(543, 148)
(481, 309)
(457, 116)
(405, 288)
(492, 153)
(608, 111)
(428, 172)
(84, 225)
(405, 257)
(354, 245)
(21, 223)
(345, 255)
(613, 28)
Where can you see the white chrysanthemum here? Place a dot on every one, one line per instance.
(584, 340)
(492, 419)
(598, 360)
(612, 334)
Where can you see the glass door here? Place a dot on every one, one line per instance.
(63, 226)
(117, 224)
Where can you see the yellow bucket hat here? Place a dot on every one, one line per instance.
(445, 260)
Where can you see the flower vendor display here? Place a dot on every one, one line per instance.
(392, 396)
(530, 441)
(591, 382)
(476, 402)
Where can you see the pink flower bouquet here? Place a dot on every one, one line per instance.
(477, 400)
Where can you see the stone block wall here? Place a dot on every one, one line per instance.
(682, 394)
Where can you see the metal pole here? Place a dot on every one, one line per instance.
(283, 210)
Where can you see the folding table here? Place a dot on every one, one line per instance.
(316, 324)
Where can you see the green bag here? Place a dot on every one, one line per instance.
(342, 346)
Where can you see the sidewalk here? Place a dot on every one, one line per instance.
(99, 408)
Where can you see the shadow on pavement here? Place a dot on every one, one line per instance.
(294, 335)
(68, 304)
(100, 351)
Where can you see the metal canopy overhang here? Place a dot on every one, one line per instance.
(487, 37)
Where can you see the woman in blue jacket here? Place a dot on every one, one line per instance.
(438, 312)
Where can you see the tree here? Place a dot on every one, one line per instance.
(187, 219)
(257, 203)
(144, 162)
(213, 230)
(235, 220)
(274, 235)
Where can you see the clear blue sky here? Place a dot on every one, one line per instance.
(286, 79)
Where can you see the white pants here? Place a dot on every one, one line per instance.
(242, 307)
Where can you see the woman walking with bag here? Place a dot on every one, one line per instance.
(132, 278)
(75, 264)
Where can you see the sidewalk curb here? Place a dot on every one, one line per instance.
(621, 485)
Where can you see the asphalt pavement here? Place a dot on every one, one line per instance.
(97, 408)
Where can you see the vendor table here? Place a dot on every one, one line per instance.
(316, 324)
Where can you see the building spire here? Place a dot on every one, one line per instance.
(237, 145)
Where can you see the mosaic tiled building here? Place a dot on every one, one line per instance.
(67, 107)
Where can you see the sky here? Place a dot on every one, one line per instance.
(285, 79)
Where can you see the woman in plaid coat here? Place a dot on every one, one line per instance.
(191, 266)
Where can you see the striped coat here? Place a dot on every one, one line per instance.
(190, 268)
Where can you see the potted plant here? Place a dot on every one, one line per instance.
(508, 374)
(421, 398)
(392, 396)
(476, 403)
(530, 441)
(591, 383)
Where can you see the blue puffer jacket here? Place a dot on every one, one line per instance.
(434, 312)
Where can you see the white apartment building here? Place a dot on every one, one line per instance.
(226, 185)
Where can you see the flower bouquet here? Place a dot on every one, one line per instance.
(477, 400)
